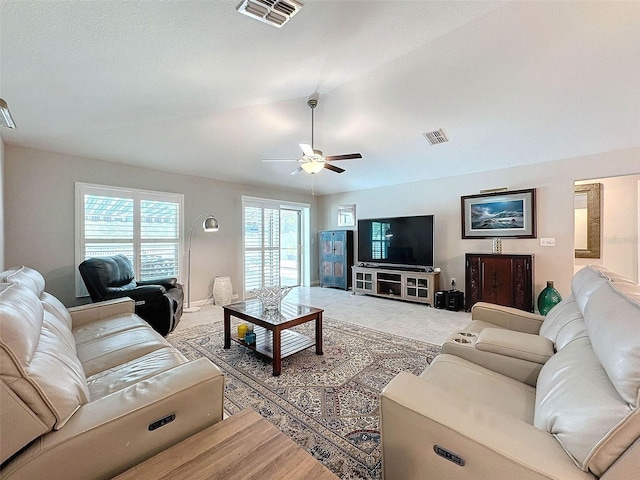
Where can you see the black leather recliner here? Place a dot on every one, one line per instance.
(158, 301)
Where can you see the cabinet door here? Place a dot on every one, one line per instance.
(522, 288)
(496, 280)
(333, 260)
(473, 281)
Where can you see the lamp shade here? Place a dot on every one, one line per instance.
(210, 224)
(312, 166)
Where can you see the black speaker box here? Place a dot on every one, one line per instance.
(440, 300)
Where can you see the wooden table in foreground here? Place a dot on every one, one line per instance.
(274, 339)
(244, 446)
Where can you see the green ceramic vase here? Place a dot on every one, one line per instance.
(548, 298)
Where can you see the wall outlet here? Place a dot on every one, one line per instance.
(453, 282)
(548, 242)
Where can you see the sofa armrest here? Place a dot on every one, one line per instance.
(168, 282)
(464, 344)
(507, 317)
(111, 434)
(96, 311)
(416, 415)
(526, 346)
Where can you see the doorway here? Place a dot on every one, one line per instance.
(275, 252)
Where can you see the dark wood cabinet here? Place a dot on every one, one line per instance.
(501, 278)
(336, 258)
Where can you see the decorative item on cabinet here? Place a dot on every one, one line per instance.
(549, 297)
(504, 279)
(336, 258)
(496, 245)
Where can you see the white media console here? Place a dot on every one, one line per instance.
(414, 286)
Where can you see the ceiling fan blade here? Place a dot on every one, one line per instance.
(306, 149)
(348, 156)
(333, 168)
(297, 170)
(279, 160)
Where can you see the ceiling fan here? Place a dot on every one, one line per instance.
(313, 160)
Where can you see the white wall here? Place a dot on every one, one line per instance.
(619, 220)
(1, 204)
(554, 182)
(39, 218)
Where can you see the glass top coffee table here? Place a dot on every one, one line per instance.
(273, 337)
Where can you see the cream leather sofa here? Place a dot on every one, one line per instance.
(88, 392)
(526, 397)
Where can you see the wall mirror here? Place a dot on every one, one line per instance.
(586, 207)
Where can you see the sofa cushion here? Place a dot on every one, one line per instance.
(612, 319)
(104, 327)
(105, 352)
(564, 323)
(576, 402)
(37, 358)
(136, 370)
(30, 278)
(584, 282)
(54, 306)
(465, 379)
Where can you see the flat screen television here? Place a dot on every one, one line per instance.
(396, 241)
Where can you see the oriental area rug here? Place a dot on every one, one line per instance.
(328, 404)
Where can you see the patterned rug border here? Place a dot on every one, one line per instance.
(248, 375)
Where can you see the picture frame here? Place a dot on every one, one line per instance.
(588, 220)
(347, 216)
(504, 214)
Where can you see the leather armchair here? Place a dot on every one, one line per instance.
(157, 301)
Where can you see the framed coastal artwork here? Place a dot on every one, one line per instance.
(504, 214)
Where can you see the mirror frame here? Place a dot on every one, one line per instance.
(593, 220)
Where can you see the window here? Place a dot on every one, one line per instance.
(145, 226)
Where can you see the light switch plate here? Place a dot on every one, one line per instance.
(548, 242)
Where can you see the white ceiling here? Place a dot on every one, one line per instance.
(195, 87)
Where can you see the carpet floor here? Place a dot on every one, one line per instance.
(328, 403)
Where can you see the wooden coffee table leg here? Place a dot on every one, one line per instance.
(319, 334)
(227, 329)
(277, 352)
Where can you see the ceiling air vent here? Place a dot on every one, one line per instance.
(273, 12)
(436, 137)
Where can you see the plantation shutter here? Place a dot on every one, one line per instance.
(261, 247)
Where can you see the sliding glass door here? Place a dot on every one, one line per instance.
(290, 247)
(272, 236)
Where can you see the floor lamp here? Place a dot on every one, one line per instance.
(209, 224)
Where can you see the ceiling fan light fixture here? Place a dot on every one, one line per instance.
(312, 166)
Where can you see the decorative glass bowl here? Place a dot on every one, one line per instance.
(271, 296)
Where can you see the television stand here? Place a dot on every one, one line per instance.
(397, 283)
(406, 268)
